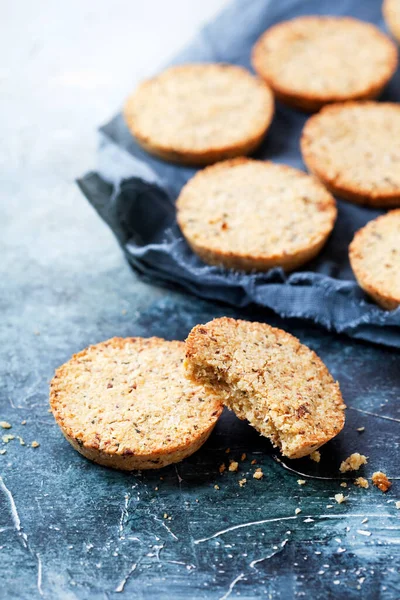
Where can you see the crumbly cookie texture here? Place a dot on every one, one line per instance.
(198, 114)
(354, 149)
(391, 13)
(312, 61)
(375, 259)
(268, 377)
(250, 215)
(126, 404)
(353, 462)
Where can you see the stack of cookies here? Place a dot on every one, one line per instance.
(140, 403)
(250, 215)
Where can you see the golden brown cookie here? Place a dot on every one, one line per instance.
(391, 13)
(268, 377)
(126, 404)
(354, 149)
(375, 259)
(198, 114)
(251, 215)
(312, 61)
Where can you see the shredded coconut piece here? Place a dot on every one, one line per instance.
(297, 511)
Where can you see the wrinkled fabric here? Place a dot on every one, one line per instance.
(135, 193)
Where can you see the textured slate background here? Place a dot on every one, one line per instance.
(70, 529)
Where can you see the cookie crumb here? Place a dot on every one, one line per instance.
(21, 441)
(216, 487)
(258, 474)
(156, 488)
(343, 484)
(363, 532)
(361, 482)
(242, 482)
(360, 429)
(165, 515)
(7, 438)
(301, 481)
(381, 481)
(243, 457)
(353, 462)
(222, 468)
(315, 456)
(297, 511)
(253, 462)
(3, 451)
(233, 467)
(5, 425)
(23, 422)
(340, 498)
(397, 504)
(35, 444)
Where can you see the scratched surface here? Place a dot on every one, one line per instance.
(72, 530)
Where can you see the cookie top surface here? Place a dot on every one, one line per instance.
(131, 397)
(268, 377)
(254, 209)
(391, 12)
(325, 58)
(375, 256)
(199, 108)
(355, 147)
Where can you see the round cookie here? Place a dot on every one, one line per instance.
(251, 215)
(375, 259)
(391, 13)
(354, 149)
(268, 377)
(126, 404)
(198, 114)
(316, 60)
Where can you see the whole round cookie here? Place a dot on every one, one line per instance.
(375, 259)
(354, 149)
(251, 215)
(198, 114)
(268, 377)
(313, 61)
(391, 13)
(126, 404)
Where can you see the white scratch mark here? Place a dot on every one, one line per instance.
(364, 532)
(250, 524)
(232, 585)
(39, 574)
(165, 527)
(14, 512)
(124, 514)
(120, 587)
(178, 476)
(254, 562)
(371, 414)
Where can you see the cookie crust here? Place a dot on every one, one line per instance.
(198, 114)
(251, 215)
(354, 149)
(126, 404)
(315, 60)
(391, 13)
(375, 259)
(268, 377)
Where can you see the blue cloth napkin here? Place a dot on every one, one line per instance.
(135, 194)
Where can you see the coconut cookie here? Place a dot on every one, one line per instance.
(126, 404)
(354, 149)
(313, 61)
(375, 259)
(391, 13)
(251, 215)
(198, 114)
(268, 377)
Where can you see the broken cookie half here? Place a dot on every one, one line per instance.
(268, 377)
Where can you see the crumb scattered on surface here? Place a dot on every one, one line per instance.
(35, 444)
(364, 521)
(258, 474)
(3, 451)
(329, 506)
(301, 481)
(21, 441)
(253, 462)
(343, 484)
(243, 457)
(165, 515)
(361, 482)
(340, 498)
(227, 451)
(156, 488)
(397, 504)
(233, 467)
(23, 422)
(360, 429)
(242, 482)
(216, 487)
(5, 425)
(381, 481)
(353, 462)
(315, 456)
(297, 511)
(222, 468)
(7, 438)
(197, 499)
(363, 532)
